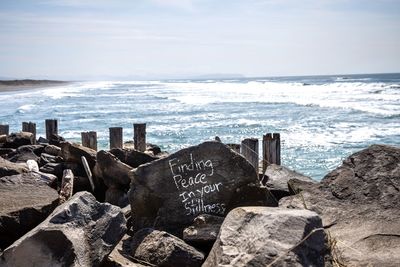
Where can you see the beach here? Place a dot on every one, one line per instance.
(19, 85)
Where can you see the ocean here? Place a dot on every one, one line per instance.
(321, 119)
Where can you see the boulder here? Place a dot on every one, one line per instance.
(203, 232)
(53, 168)
(72, 152)
(16, 140)
(276, 179)
(47, 158)
(25, 201)
(53, 150)
(206, 179)
(56, 140)
(115, 175)
(120, 256)
(132, 157)
(359, 206)
(81, 232)
(163, 249)
(8, 168)
(259, 236)
(4, 152)
(25, 153)
(154, 149)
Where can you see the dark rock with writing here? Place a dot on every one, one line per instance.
(259, 236)
(276, 179)
(132, 157)
(80, 232)
(206, 179)
(25, 201)
(15, 140)
(203, 232)
(115, 175)
(72, 152)
(10, 168)
(359, 206)
(163, 249)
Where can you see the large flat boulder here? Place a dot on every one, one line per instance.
(359, 206)
(72, 152)
(25, 201)
(8, 168)
(259, 236)
(206, 179)
(15, 140)
(81, 232)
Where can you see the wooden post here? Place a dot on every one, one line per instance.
(51, 128)
(116, 137)
(139, 136)
(234, 147)
(89, 139)
(31, 128)
(249, 150)
(88, 171)
(271, 150)
(4, 129)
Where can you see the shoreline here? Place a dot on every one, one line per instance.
(21, 85)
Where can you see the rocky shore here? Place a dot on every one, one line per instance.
(62, 204)
(14, 85)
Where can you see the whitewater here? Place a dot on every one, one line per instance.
(321, 119)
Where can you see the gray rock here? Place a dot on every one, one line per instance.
(47, 158)
(276, 179)
(53, 150)
(162, 249)
(359, 206)
(25, 153)
(53, 168)
(8, 168)
(81, 232)
(15, 140)
(206, 179)
(132, 157)
(204, 230)
(72, 152)
(258, 236)
(25, 201)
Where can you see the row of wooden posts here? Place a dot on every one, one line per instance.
(271, 144)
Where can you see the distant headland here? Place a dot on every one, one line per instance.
(12, 85)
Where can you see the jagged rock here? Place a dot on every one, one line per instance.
(72, 152)
(25, 153)
(47, 158)
(206, 179)
(25, 201)
(132, 157)
(4, 152)
(359, 206)
(56, 140)
(81, 232)
(120, 256)
(154, 149)
(162, 249)
(53, 150)
(115, 175)
(16, 140)
(8, 168)
(259, 236)
(276, 179)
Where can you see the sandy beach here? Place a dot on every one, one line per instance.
(18, 85)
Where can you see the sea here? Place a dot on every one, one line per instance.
(321, 119)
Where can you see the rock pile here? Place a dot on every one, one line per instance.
(201, 206)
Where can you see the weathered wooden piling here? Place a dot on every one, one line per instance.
(139, 136)
(234, 147)
(51, 128)
(116, 137)
(67, 185)
(249, 150)
(4, 129)
(31, 128)
(271, 149)
(89, 139)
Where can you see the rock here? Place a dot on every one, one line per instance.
(259, 236)
(25, 201)
(81, 232)
(132, 157)
(115, 175)
(72, 152)
(53, 168)
(162, 249)
(56, 140)
(120, 257)
(5, 151)
(203, 232)
(53, 150)
(25, 153)
(32, 165)
(206, 179)
(47, 158)
(359, 206)
(8, 168)
(16, 140)
(277, 177)
(154, 149)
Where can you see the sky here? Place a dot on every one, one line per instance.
(135, 39)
